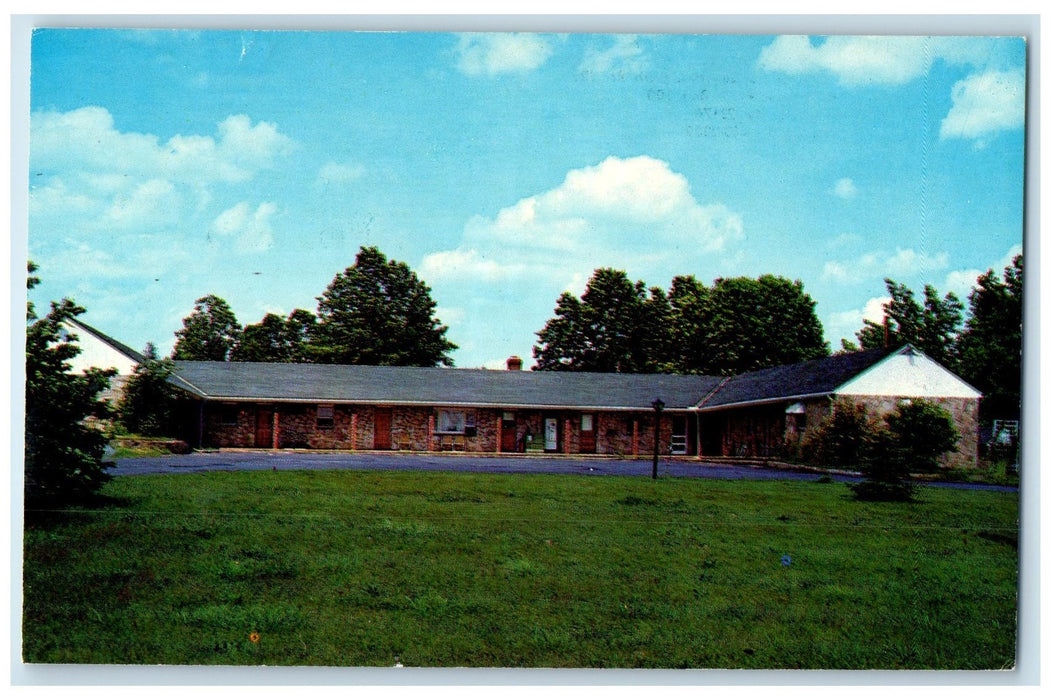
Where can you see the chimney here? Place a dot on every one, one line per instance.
(514, 363)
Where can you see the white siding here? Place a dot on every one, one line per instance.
(95, 353)
(908, 374)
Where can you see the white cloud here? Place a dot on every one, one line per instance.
(901, 263)
(854, 60)
(492, 54)
(466, 264)
(846, 324)
(637, 204)
(985, 103)
(873, 60)
(107, 191)
(623, 58)
(151, 204)
(836, 271)
(251, 230)
(86, 141)
(962, 282)
(332, 172)
(845, 188)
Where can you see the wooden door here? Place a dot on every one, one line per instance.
(381, 429)
(508, 433)
(587, 433)
(264, 427)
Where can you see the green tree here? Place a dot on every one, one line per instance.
(687, 324)
(932, 326)
(990, 346)
(743, 324)
(378, 312)
(614, 326)
(209, 333)
(276, 339)
(148, 402)
(63, 453)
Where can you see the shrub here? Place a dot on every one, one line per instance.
(846, 433)
(913, 438)
(842, 438)
(147, 405)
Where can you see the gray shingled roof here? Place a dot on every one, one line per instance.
(814, 377)
(262, 381)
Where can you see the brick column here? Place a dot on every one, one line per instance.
(635, 437)
(354, 430)
(499, 432)
(276, 440)
(430, 433)
(565, 437)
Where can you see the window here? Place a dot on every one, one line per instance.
(451, 421)
(796, 415)
(326, 415)
(587, 422)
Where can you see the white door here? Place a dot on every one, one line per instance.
(550, 433)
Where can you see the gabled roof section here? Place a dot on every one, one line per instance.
(790, 382)
(425, 386)
(100, 350)
(908, 372)
(120, 347)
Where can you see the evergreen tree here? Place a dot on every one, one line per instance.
(209, 333)
(932, 327)
(378, 312)
(276, 339)
(615, 326)
(63, 453)
(148, 402)
(990, 346)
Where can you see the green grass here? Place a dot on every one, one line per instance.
(437, 569)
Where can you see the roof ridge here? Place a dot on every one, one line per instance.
(112, 342)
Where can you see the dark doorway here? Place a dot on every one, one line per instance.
(712, 427)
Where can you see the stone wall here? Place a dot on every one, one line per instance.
(964, 414)
(233, 427)
(414, 429)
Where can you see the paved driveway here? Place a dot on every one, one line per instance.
(279, 461)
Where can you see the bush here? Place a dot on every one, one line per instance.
(914, 436)
(842, 438)
(147, 405)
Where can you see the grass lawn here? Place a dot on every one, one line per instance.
(443, 569)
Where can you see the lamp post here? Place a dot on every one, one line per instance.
(658, 406)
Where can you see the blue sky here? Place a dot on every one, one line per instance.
(504, 168)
